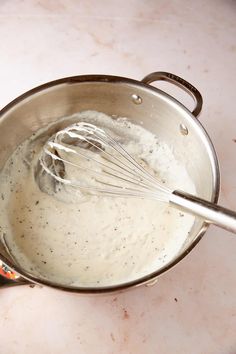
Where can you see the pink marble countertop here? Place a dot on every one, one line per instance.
(192, 308)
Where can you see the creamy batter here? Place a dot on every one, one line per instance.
(78, 239)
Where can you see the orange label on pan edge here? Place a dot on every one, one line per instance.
(6, 272)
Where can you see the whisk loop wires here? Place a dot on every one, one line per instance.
(110, 169)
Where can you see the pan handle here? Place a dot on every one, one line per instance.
(178, 81)
(5, 282)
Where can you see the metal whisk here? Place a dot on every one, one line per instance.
(87, 157)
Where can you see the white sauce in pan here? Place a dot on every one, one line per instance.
(84, 240)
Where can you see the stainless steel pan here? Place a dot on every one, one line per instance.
(142, 104)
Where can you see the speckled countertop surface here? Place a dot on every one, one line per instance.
(192, 308)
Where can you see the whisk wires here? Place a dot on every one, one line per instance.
(105, 165)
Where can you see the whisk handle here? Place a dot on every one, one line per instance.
(210, 212)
